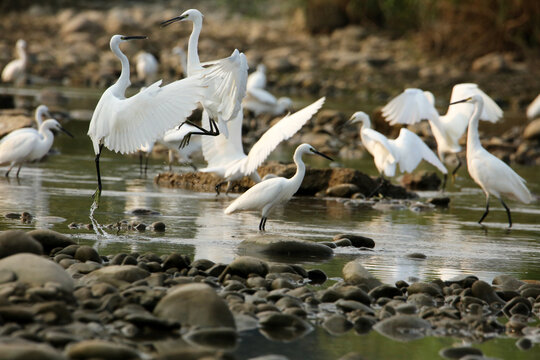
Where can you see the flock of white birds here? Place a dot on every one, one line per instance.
(223, 89)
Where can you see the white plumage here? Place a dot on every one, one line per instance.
(260, 101)
(173, 139)
(265, 195)
(15, 70)
(257, 79)
(407, 150)
(147, 67)
(488, 171)
(226, 157)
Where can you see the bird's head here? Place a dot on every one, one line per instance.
(308, 149)
(43, 110)
(53, 124)
(359, 116)
(285, 103)
(117, 39)
(472, 99)
(261, 68)
(21, 44)
(188, 15)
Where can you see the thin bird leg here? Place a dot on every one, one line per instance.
(443, 185)
(229, 187)
(97, 194)
(140, 162)
(486, 212)
(214, 131)
(218, 185)
(146, 164)
(507, 213)
(454, 172)
(381, 182)
(11, 167)
(18, 171)
(262, 224)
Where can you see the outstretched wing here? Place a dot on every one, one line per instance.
(409, 107)
(146, 116)
(283, 130)
(228, 78)
(220, 150)
(491, 112)
(412, 150)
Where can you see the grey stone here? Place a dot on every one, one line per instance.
(220, 338)
(29, 350)
(425, 288)
(354, 273)
(117, 275)
(337, 324)
(403, 327)
(16, 241)
(357, 240)
(484, 291)
(50, 239)
(85, 253)
(459, 351)
(101, 349)
(292, 248)
(245, 265)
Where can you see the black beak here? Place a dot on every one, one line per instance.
(460, 101)
(170, 21)
(321, 154)
(134, 37)
(65, 131)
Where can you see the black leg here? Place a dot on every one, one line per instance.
(486, 212)
(214, 131)
(218, 186)
(7, 172)
(381, 182)
(140, 162)
(443, 185)
(262, 224)
(457, 168)
(97, 194)
(146, 164)
(507, 213)
(18, 171)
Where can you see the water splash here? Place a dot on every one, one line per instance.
(99, 230)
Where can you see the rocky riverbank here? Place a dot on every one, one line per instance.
(61, 300)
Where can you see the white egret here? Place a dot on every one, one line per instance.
(144, 152)
(414, 105)
(257, 79)
(225, 79)
(173, 139)
(266, 195)
(26, 145)
(41, 112)
(533, 110)
(147, 67)
(258, 100)
(489, 172)
(407, 150)
(14, 71)
(124, 124)
(226, 157)
(177, 50)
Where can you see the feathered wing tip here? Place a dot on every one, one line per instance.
(521, 192)
(491, 111)
(409, 107)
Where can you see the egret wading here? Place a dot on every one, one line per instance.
(15, 70)
(414, 105)
(26, 145)
(489, 172)
(225, 79)
(407, 150)
(125, 124)
(265, 195)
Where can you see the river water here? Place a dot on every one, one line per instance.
(58, 192)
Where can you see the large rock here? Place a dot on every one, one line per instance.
(101, 349)
(29, 350)
(354, 273)
(195, 305)
(37, 270)
(245, 265)
(13, 120)
(403, 327)
(50, 239)
(275, 247)
(16, 241)
(117, 275)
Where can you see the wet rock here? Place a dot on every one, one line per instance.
(87, 253)
(484, 291)
(342, 190)
(440, 201)
(175, 260)
(101, 349)
(245, 265)
(316, 276)
(35, 270)
(421, 181)
(16, 241)
(357, 240)
(532, 292)
(425, 288)
(29, 350)
(117, 275)
(7, 276)
(352, 305)
(140, 211)
(158, 226)
(195, 305)
(216, 338)
(403, 327)
(524, 344)
(354, 273)
(282, 327)
(337, 324)
(416, 256)
(421, 299)
(507, 282)
(291, 247)
(343, 242)
(385, 291)
(459, 352)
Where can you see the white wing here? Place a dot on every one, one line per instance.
(492, 112)
(220, 150)
(125, 124)
(381, 149)
(177, 134)
(410, 107)
(283, 130)
(412, 150)
(228, 78)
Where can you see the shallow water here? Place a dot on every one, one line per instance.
(58, 191)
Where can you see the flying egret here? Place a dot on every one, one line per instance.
(225, 78)
(14, 71)
(147, 67)
(407, 150)
(267, 194)
(533, 110)
(26, 145)
(226, 157)
(488, 171)
(414, 105)
(124, 124)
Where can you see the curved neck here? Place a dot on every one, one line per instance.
(123, 81)
(473, 139)
(366, 124)
(21, 52)
(193, 62)
(300, 168)
(39, 118)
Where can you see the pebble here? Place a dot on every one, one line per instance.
(459, 352)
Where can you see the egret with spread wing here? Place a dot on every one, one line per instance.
(125, 124)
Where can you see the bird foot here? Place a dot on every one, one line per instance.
(185, 141)
(96, 197)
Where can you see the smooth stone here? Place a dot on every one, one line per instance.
(245, 265)
(175, 260)
(85, 253)
(195, 304)
(403, 327)
(357, 240)
(330, 244)
(424, 288)
(439, 201)
(36, 270)
(532, 292)
(385, 291)
(337, 324)
(283, 327)
(216, 338)
(117, 275)
(202, 264)
(29, 350)
(317, 276)
(459, 352)
(50, 239)
(484, 291)
(140, 211)
(17, 241)
(343, 242)
(16, 313)
(342, 190)
(83, 268)
(294, 248)
(354, 293)
(354, 273)
(407, 309)
(6, 276)
(351, 305)
(158, 226)
(524, 344)
(507, 282)
(421, 300)
(101, 349)
(416, 256)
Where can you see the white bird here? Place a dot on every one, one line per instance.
(489, 172)
(124, 124)
(533, 110)
(144, 152)
(26, 145)
(414, 105)
(41, 112)
(225, 79)
(177, 50)
(407, 150)
(226, 157)
(260, 101)
(14, 71)
(147, 67)
(265, 195)
(173, 139)
(257, 79)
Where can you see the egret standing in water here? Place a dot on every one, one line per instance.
(14, 71)
(225, 78)
(26, 145)
(407, 150)
(265, 195)
(489, 172)
(125, 124)
(414, 105)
